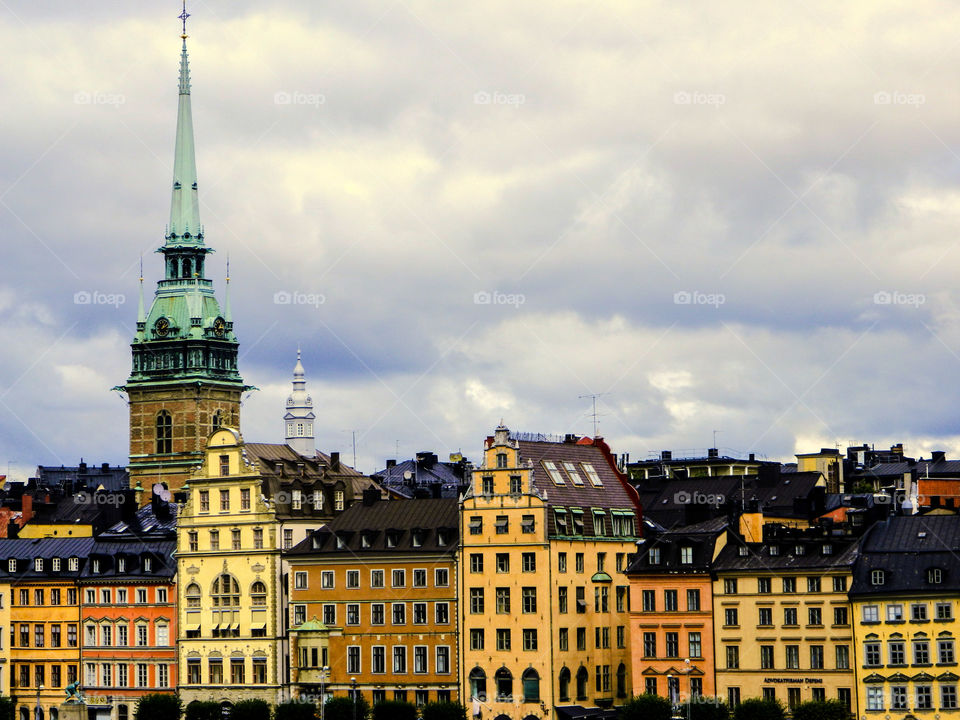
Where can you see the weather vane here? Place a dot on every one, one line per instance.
(183, 18)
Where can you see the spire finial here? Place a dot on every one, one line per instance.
(183, 18)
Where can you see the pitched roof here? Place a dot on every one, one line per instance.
(398, 518)
(26, 550)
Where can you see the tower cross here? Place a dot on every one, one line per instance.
(183, 18)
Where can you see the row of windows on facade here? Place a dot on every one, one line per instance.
(569, 468)
(297, 497)
(420, 697)
(934, 576)
(378, 614)
(225, 593)
(788, 585)
(794, 695)
(504, 638)
(107, 633)
(528, 599)
(103, 675)
(528, 562)
(300, 429)
(398, 578)
(393, 537)
(731, 617)
(530, 684)
(237, 671)
(919, 612)
(922, 697)
(97, 565)
(791, 659)
(897, 652)
(399, 657)
(622, 523)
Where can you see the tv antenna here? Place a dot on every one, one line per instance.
(596, 417)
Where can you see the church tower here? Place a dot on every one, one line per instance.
(184, 382)
(298, 420)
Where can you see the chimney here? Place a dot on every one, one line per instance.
(82, 470)
(938, 456)
(335, 461)
(751, 525)
(751, 457)
(666, 455)
(391, 463)
(105, 468)
(713, 453)
(370, 496)
(570, 438)
(26, 509)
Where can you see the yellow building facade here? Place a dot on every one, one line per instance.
(545, 531)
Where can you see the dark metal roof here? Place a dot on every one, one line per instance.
(25, 550)
(700, 538)
(133, 552)
(905, 547)
(424, 471)
(380, 518)
(843, 552)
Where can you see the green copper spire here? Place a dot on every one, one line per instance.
(184, 225)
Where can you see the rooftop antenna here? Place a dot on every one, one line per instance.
(596, 418)
(353, 435)
(715, 437)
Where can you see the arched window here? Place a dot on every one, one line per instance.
(226, 591)
(531, 685)
(621, 680)
(258, 593)
(187, 268)
(503, 679)
(216, 422)
(478, 684)
(24, 714)
(564, 684)
(582, 677)
(164, 432)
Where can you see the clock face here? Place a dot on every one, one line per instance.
(162, 327)
(219, 327)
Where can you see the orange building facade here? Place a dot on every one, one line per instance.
(381, 579)
(671, 614)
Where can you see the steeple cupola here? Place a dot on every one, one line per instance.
(298, 419)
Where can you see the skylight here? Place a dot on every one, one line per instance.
(554, 473)
(592, 474)
(572, 472)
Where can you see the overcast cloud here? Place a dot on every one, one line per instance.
(737, 217)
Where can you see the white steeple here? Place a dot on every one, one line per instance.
(298, 420)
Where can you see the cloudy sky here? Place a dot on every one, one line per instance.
(739, 218)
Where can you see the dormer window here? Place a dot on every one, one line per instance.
(341, 543)
(827, 549)
(441, 538)
(11, 565)
(686, 555)
(653, 556)
(877, 577)
(56, 564)
(392, 539)
(365, 540)
(799, 550)
(148, 564)
(935, 576)
(744, 551)
(417, 538)
(73, 564)
(38, 564)
(121, 565)
(774, 550)
(224, 465)
(96, 565)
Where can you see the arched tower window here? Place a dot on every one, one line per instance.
(187, 268)
(226, 591)
(164, 432)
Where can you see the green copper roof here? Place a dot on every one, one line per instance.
(184, 225)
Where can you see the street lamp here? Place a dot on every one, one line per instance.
(323, 678)
(353, 683)
(39, 690)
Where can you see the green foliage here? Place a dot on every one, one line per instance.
(7, 707)
(158, 706)
(394, 710)
(707, 708)
(645, 707)
(250, 710)
(759, 709)
(295, 711)
(341, 708)
(821, 710)
(444, 711)
(862, 486)
(203, 710)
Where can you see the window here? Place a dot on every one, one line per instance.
(503, 639)
(686, 555)
(503, 562)
(898, 697)
(948, 697)
(561, 562)
(918, 612)
(649, 644)
(226, 592)
(193, 541)
(924, 697)
(237, 671)
(554, 474)
(653, 556)
(577, 517)
(142, 635)
(766, 657)
(54, 593)
(816, 657)
(765, 616)
(214, 539)
(874, 698)
(839, 584)
(529, 596)
(528, 562)
(560, 520)
(730, 586)
(945, 652)
(843, 657)
(353, 579)
(670, 601)
(530, 639)
(501, 525)
(730, 617)
(235, 539)
(793, 657)
(476, 639)
(376, 578)
(531, 685)
(763, 585)
(693, 600)
(790, 616)
(789, 585)
(476, 601)
(581, 639)
(487, 486)
(814, 616)
(503, 600)
(245, 498)
(164, 432)
(599, 523)
(204, 500)
(398, 578)
(733, 657)
(399, 613)
(581, 600)
(399, 659)
(419, 578)
(353, 659)
(55, 635)
(876, 577)
(591, 472)
(71, 636)
(563, 639)
(476, 525)
(672, 644)
(142, 675)
(326, 579)
(871, 614)
(441, 577)
(476, 562)
(287, 539)
(840, 616)
(813, 584)
(224, 500)
(38, 635)
(944, 611)
(694, 645)
(871, 654)
(649, 599)
(516, 485)
(921, 652)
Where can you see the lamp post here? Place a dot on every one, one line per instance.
(323, 678)
(353, 684)
(37, 711)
